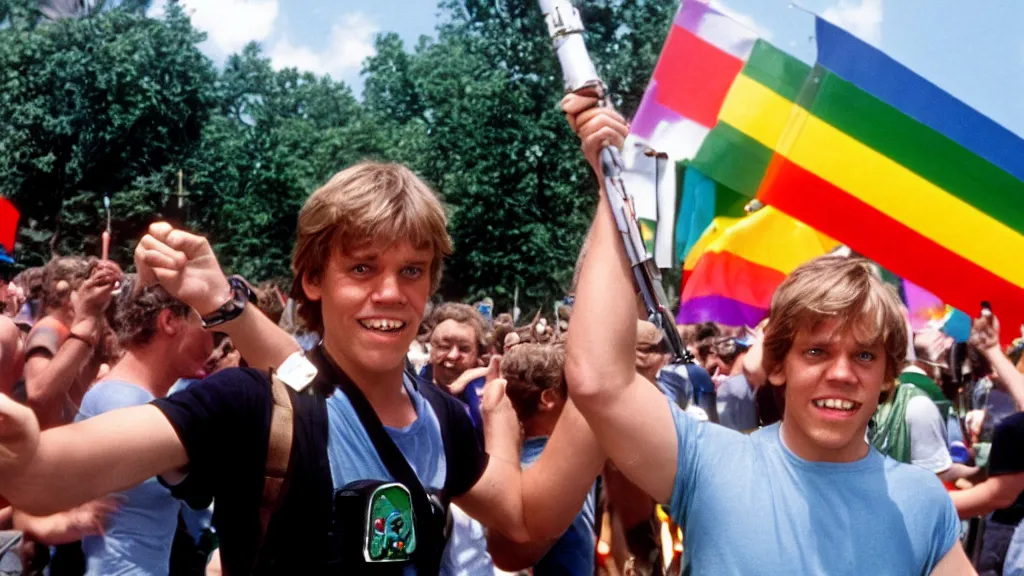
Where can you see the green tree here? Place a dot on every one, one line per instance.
(89, 107)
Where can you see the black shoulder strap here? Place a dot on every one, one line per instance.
(386, 448)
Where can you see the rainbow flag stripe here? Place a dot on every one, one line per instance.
(737, 271)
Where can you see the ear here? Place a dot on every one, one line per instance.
(778, 376)
(549, 399)
(311, 287)
(168, 323)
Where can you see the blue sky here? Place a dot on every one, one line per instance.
(975, 53)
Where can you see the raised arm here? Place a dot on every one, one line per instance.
(540, 503)
(985, 337)
(630, 417)
(186, 266)
(49, 375)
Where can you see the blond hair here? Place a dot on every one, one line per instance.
(836, 287)
(369, 203)
(530, 369)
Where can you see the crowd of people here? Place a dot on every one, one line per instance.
(181, 421)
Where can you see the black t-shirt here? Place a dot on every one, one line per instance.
(224, 424)
(1007, 457)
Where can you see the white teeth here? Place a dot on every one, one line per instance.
(835, 404)
(383, 324)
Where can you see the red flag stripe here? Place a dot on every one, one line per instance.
(694, 76)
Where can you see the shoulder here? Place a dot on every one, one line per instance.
(1011, 425)
(48, 334)
(921, 409)
(913, 485)
(112, 394)
(221, 400)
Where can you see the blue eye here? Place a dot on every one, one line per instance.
(413, 272)
(866, 356)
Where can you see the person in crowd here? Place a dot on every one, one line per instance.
(835, 339)
(737, 408)
(536, 387)
(163, 340)
(64, 350)
(368, 256)
(768, 400)
(458, 343)
(1001, 496)
(910, 426)
(688, 385)
(12, 355)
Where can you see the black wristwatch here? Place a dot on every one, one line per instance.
(241, 293)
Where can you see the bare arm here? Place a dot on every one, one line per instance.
(12, 354)
(66, 527)
(511, 556)
(630, 417)
(993, 494)
(49, 378)
(537, 504)
(954, 563)
(958, 471)
(79, 462)
(185, 265)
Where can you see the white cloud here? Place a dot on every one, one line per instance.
(744, 19)
(861, 17)
(351, 42)
(229, 24)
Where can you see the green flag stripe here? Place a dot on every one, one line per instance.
(776, 70)
(733, 159)
(915, 146)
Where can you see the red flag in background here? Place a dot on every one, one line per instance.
(9, 217)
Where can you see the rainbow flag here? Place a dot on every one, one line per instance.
(762, 94)
(934, 209)
(739, 269)
(703, 200)
(703, 53)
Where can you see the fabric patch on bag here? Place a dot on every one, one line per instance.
(390, 526)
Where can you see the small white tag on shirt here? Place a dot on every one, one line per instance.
(297, 372)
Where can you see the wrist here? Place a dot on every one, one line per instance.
(218, 295)
(86, 327)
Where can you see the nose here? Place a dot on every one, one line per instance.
(387, 290)
(453, 354)
(841, 370)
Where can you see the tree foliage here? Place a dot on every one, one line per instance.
(117, 103)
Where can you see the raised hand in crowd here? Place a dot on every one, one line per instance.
(185, 265)
(93, 297)
(596, 126)
(985, 338)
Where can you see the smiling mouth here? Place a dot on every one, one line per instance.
(383, 325)
(837, 404)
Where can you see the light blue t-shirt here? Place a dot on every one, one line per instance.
(748, 505)
(573, 553)
(352, 456)
(139, 536)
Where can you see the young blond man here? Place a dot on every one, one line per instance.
(367, 258)
(809, 496)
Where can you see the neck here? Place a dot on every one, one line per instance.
(382, 389)
(64, 315)
(541, 424)
(147, 368)
(807, 449)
